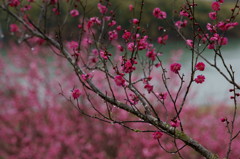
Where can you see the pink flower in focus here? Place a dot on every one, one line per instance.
(74, 12)
(102, 9)
(14, 28)
(119, 80)
(157, 135)
(159, 14)
(200, 66)
(175, 67)
(223, 41)
(189, 43)
(162, 39)
(199, 79)
(212, 15)
(175, 123)
(216, 6)
(76, 93)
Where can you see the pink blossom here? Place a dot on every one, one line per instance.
(175, 67)
(212, 15)
(211, 46)
(189, 43)
(112, 35)
(163, 95)
(86, 76)
(157, 135)
(76, 93)
(135, 21)
(131, 7)
(120, 48)
(102, 9)
(126, 35)
(221, 1)
(119, 80)
(158, 64)
(133, 99)
(13, 3)
(112, 23)
(104, 54)
(199, 79)
(159, 14)
(149, 88)
(128, 66)
(223, 41)
(200, 66)
(175, 123)
(226, 26)
(162, 39)
(210, 27)
(130, 46)
(73, 45)
(74, 12)
(56, 11)
(151, 54)
(14, 28)
(181, 24)
(223, 119)
(216, 6)
(119, 28)
(184, 13)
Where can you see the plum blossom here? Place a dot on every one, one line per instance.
(216, 6)
(14, 28)
(74, 12)
(157, 135)
(13, 3)
(181, 24)
(175, 67)
(76, 93)
(212, 15)
(119, 80)
(149, 88)
(112, 35)
(102, 9)
(199, 79)
(135, 21)
(189, 43)
(175, 123)
(131, 7)
(200, 66)
(159, 14)
(184, 13)
(162, 39)
(73, 45)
